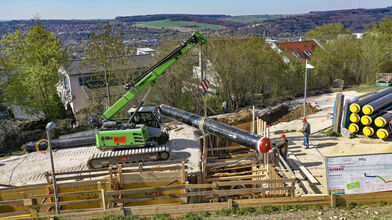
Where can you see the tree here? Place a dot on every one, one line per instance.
(32, 60)
(327, 32)
(178, 86)
(244, 68)
(105, 54)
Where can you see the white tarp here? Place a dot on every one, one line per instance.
(359, 173)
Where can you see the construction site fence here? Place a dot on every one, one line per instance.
(179, 209)
(103, 199)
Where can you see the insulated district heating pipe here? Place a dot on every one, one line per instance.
(355, 118)
(62, 143)
(368, 131)
(356, 107)
(383, 120)
(368, 119)
(354, 128)
(377, 104)
(245, 138)
(383, 133)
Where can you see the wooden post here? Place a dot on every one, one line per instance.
(120, 177)
(216, 187)
(183, 173)
(338, 112)
(31, 205)
(230, 203)
(253, 120)
(204, 159)
(333, 200)
(275, 157)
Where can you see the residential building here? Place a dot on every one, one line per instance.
(300, 50)
(77, 80)
(145, 51)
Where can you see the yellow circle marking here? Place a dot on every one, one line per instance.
(382, 133)
(355, 108)
(366, 120)
(354, 128)
(37, 146)
(354, 118)
(380, 122)
(368, 131)
(367, 109)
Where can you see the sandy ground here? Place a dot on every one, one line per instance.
(30, 168)
(322, 145)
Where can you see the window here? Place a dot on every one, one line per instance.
(307, 52)
(297, 54)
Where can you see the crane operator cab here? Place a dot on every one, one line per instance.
(144, 130)
(150, 117)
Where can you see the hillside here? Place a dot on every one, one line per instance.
(356, 20)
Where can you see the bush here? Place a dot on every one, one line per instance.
(267, 209)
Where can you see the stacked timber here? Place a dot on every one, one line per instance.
(371, 115)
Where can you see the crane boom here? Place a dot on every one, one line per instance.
(151, 76)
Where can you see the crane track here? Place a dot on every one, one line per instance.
(105, 159)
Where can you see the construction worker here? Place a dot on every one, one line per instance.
(283, 147)
(306, 132)
(224, 106)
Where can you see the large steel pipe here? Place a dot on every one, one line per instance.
(377, 104)
(356, 107)
(62, 143)
(245, 138)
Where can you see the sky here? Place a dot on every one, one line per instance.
(109, 9)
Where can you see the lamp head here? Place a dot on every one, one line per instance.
(51, 125)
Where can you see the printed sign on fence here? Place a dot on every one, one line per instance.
(359, 173)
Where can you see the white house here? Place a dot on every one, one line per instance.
(77, 79)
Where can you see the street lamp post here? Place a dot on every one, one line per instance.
(306, 79)
(50, 126)
(307, 66)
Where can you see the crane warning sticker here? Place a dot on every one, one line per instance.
(119, 139)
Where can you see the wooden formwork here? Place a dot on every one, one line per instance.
(227, 162)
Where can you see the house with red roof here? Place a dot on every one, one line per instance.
(301, 50)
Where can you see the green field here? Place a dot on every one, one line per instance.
(178, 25)
(252, 18)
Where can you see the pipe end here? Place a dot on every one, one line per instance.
(368, 131)
(355, 118)
(382, 133)
(355, 108)
(366, 120)
(354, 128)
(380, 122)
(367, 109)
(264, 145)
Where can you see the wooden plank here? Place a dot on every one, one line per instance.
(235, 177)
(227, 148)
(233, 168)
(143, 190)
(11, 202)
(85, 214)
(232, 163)
(82, 183)
(66, 194)
(174, 209)
(233, 174)
(286, 165)
(16, 213)
(305, 171)
(73, 202)
(205, 193)
(152, 177)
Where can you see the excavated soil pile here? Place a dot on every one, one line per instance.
(296, 114)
